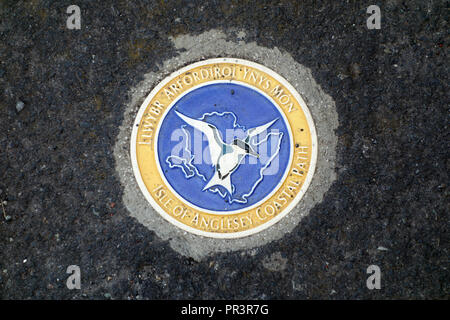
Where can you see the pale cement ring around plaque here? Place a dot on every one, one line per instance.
(227, 195)
(211, 44)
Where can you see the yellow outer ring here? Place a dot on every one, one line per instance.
(181, 213)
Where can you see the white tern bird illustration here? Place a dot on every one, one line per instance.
(225, 158)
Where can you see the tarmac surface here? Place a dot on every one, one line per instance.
(63, 97)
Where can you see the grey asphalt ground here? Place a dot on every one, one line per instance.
(57, 170)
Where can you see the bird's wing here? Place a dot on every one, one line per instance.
(212, 134)
(253, 132)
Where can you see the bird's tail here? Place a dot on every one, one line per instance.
(216, 181)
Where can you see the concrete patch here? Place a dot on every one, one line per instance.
(215, 44)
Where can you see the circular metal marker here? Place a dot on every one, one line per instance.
(223, 148)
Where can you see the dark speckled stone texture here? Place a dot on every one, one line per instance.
(57, 169)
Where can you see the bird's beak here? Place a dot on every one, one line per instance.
(253, 153)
